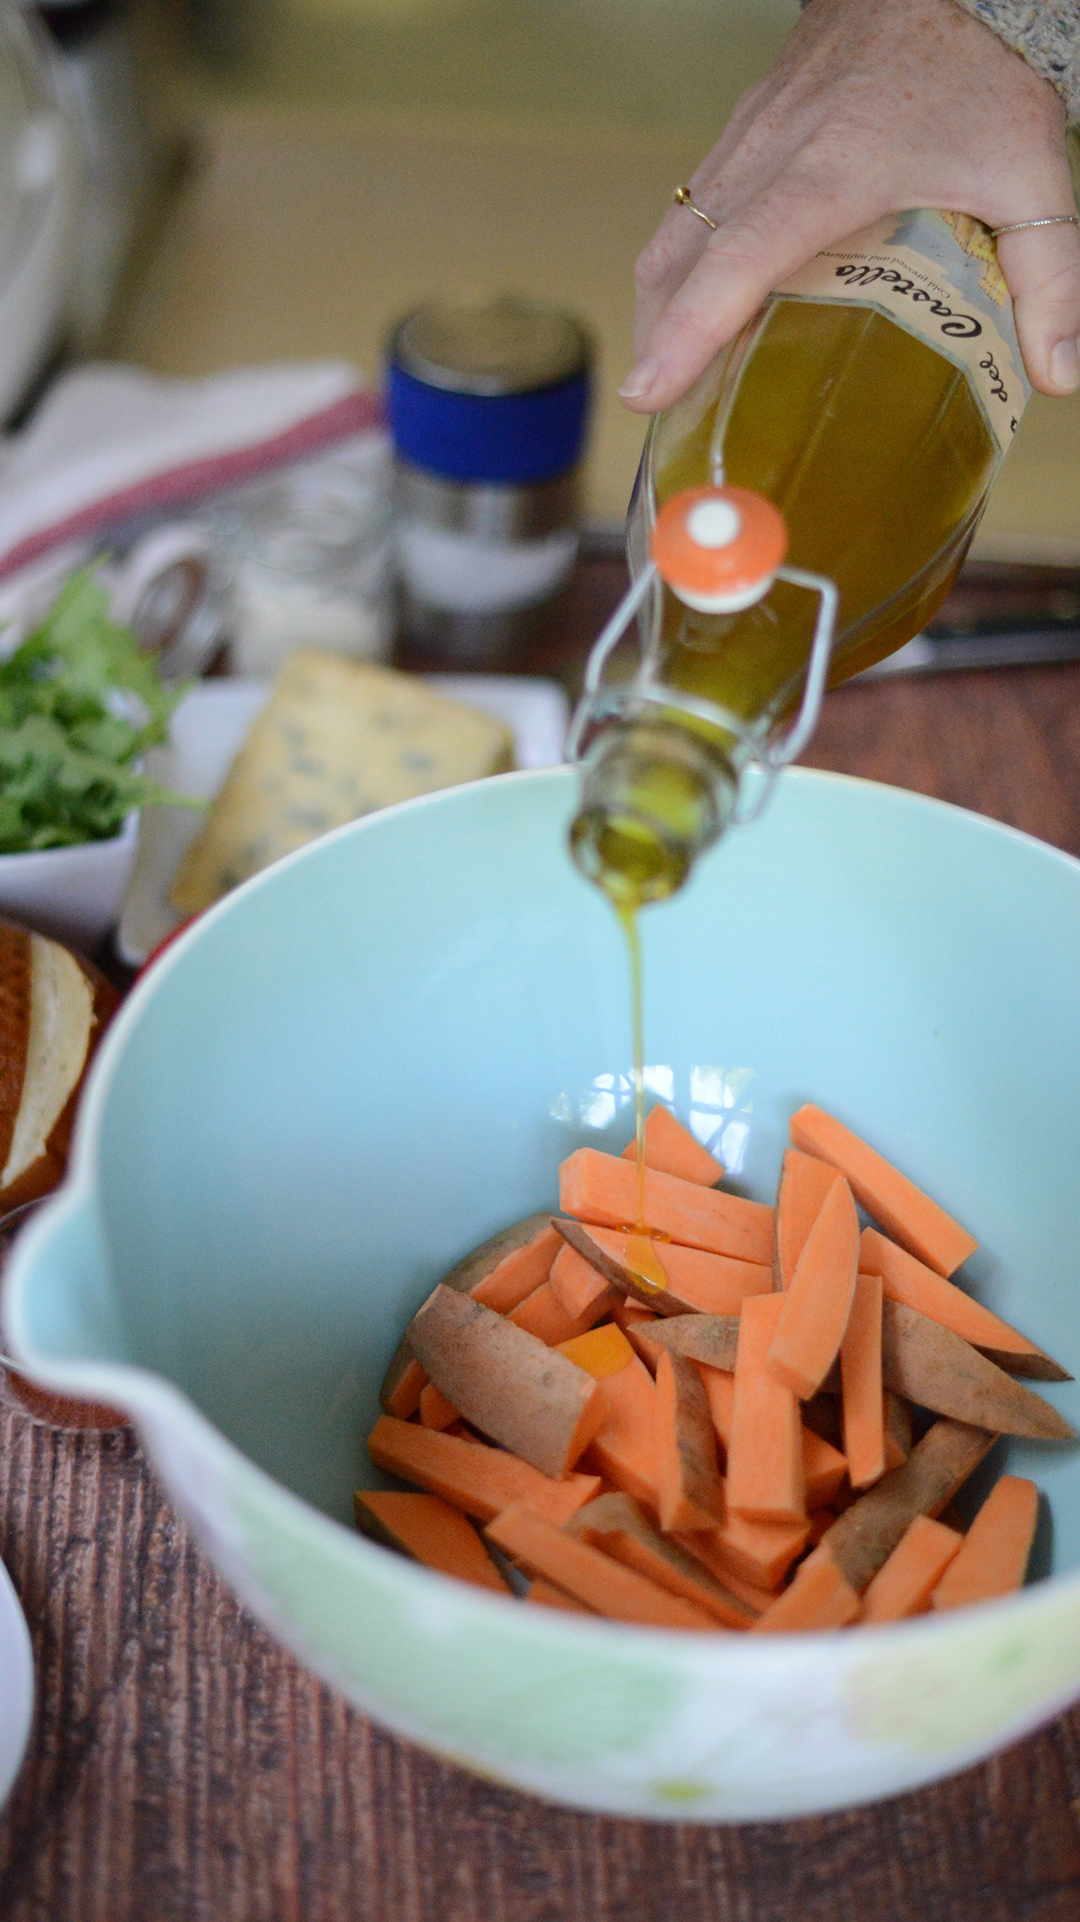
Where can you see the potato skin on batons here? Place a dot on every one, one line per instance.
(54, 1008)
(472, 1268)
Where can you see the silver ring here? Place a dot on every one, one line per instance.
(682, 198)
(1052, 220)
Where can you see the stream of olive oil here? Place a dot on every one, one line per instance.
(641, 1256)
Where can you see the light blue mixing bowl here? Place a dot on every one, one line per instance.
(376, 1054)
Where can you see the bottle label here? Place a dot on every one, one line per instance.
(936, 275)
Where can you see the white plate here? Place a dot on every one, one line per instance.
(208, 728)
(74, 894)
(16, 1684)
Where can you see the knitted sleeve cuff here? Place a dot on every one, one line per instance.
(1045, 32)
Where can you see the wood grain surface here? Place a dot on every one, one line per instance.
(183, 1769)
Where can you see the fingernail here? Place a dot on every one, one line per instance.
(1064, 365)
(638, 382)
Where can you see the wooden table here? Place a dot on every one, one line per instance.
(183, 1767)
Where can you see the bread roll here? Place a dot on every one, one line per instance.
(54, 1007)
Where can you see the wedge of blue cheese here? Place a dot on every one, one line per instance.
(337, 739)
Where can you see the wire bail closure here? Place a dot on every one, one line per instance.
(764, 751)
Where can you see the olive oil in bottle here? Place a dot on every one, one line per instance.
(871, 401)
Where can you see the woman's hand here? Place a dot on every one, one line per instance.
(872, 107)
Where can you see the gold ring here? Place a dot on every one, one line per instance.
(682, 198)
(1052, 220)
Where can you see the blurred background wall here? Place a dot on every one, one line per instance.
(651, 66)
(350, 158)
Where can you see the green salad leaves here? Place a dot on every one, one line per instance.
(80, 703)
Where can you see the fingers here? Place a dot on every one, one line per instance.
(718, 296)
(737, 267)
(681, 237)
(1042, 270)
(672, 253)
(698, 293)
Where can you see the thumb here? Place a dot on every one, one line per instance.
(1042, 271)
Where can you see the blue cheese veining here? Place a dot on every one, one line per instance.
(336, 740)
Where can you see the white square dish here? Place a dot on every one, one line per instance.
(206, 732)
(74, 894)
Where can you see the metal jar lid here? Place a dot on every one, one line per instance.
(492, 395)
(504, 346)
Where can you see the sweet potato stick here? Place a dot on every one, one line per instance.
(661, 1301)
(815, 1308)
(994, 1557)
(765, 1464)
(711, 1284)
(937, 1370)
(578, 1286)
(672, 1150)
(697, 1282)
(691, 1492)
(759, 1553)
(428, 1530)
(589, 1576)
(824, 1467)
(602, 1352)
(500, 1273)
(515, 1275)
(862, 1397)
(603, 1189)
(506, 1382)
(901, 1208)
(435, 1410)
(898, 1430)
(624, 1446)
(403, 1383)
(804, 1183)
(637, 1324)
(479, 1480)
(545, 1595)
(904, 1584)
(750, 1594)
(911, 1282)
(819, 1597)
(543, 1315)
(621, 1528)
(867, 1532)
(712, 1339)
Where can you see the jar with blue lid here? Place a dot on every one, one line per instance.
(488, 409)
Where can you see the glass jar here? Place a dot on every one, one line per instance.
(304, 560)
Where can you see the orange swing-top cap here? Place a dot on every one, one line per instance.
(718, 548)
